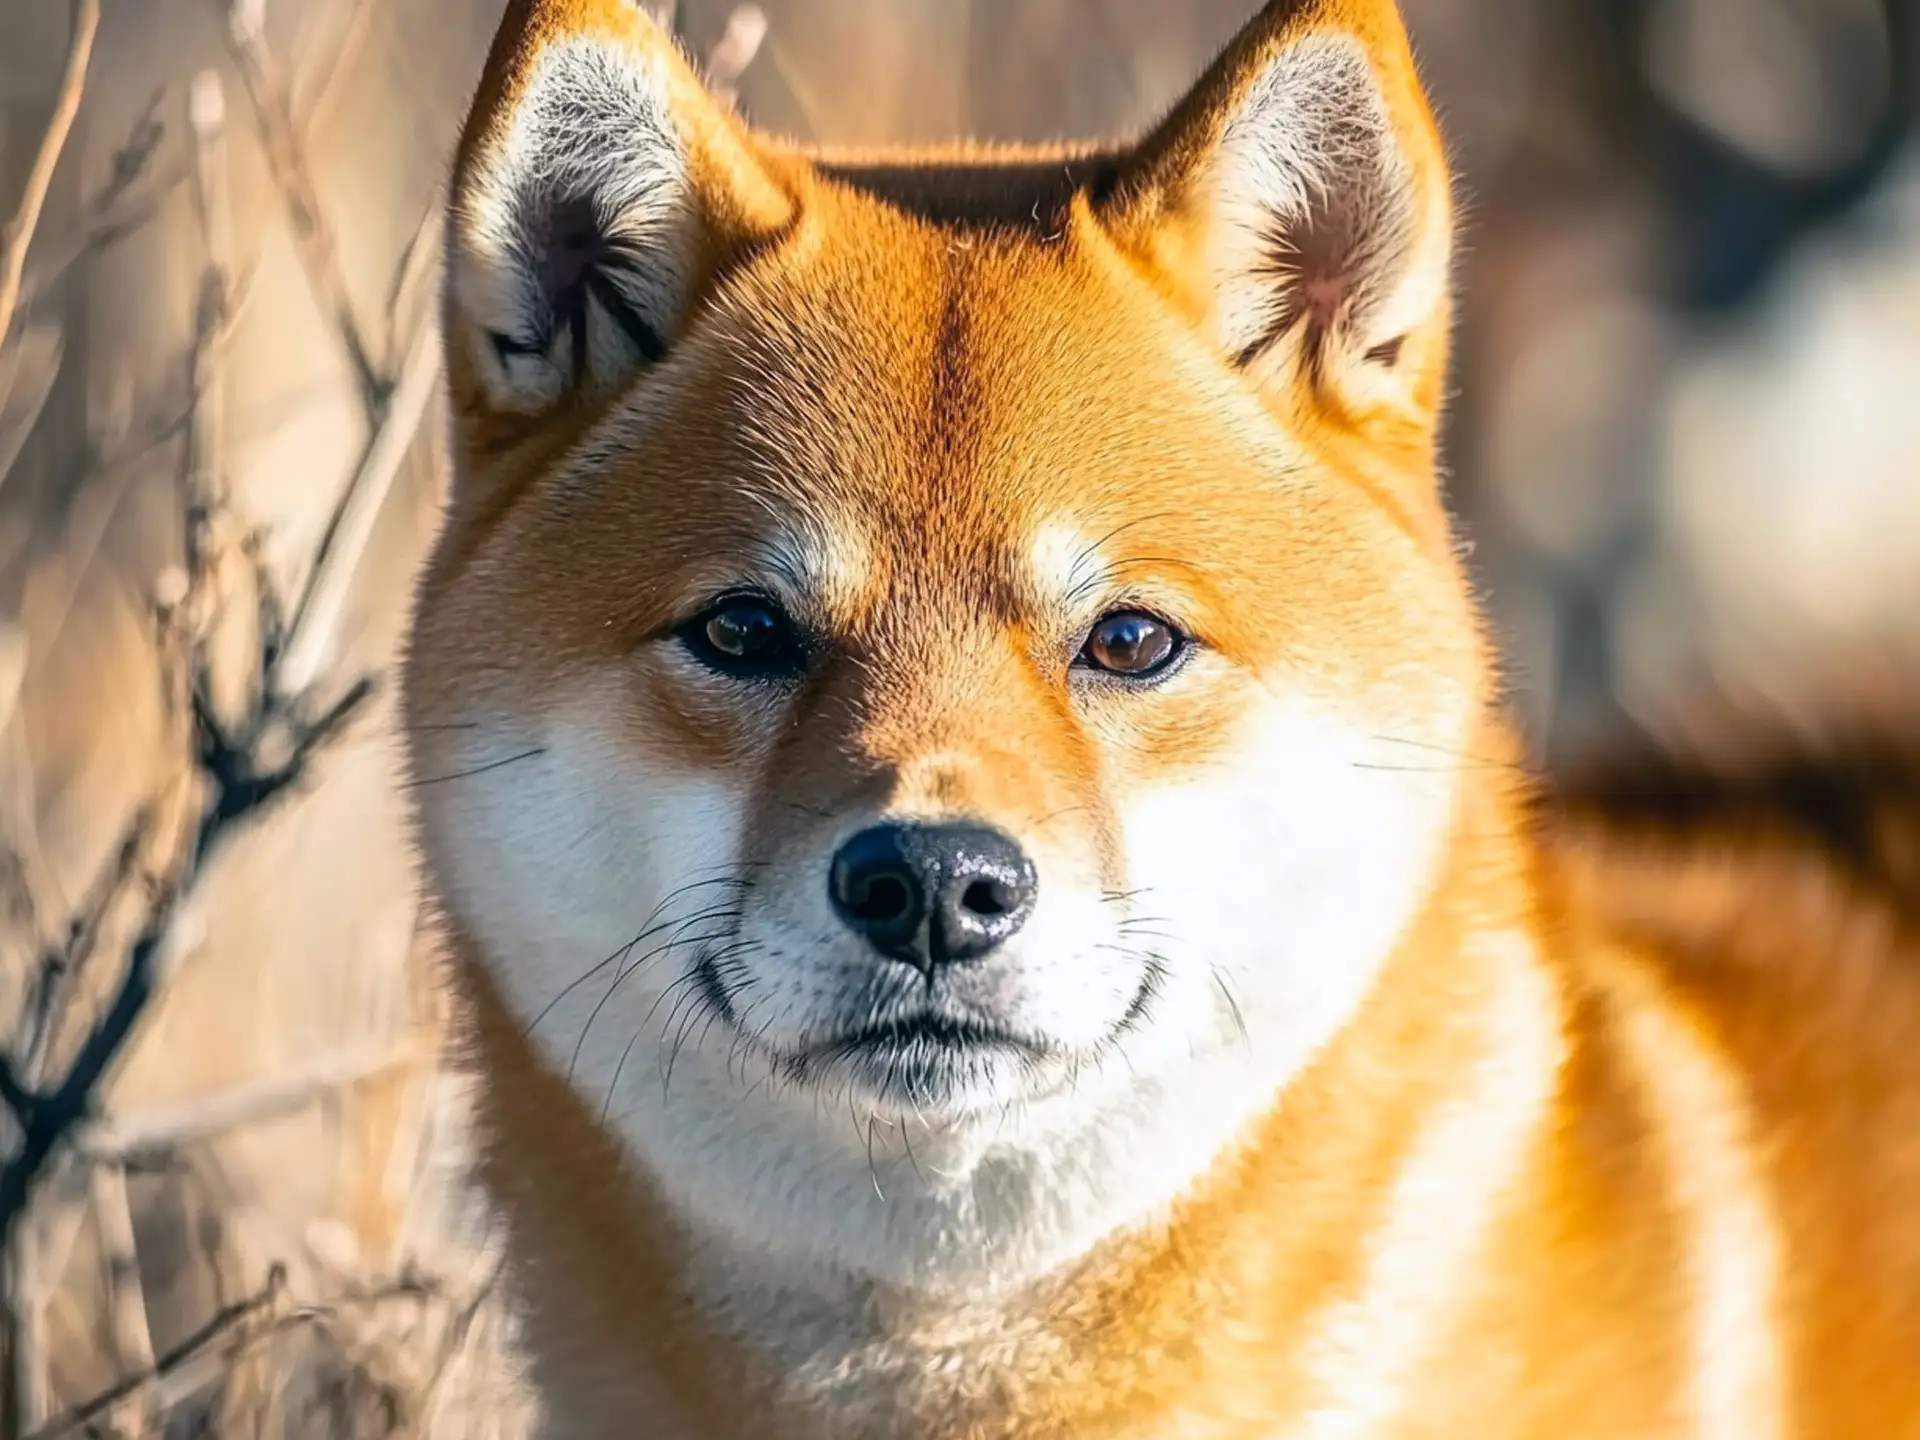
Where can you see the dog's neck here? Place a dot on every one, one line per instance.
(1427, 1104)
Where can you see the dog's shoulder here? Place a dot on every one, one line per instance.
(1765, 885)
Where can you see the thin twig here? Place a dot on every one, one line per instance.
(733, 52)
(204, 1355)
(287, 160)
(103, 230)
(236, 793)
(220, 1345)
(206, 487)
(35, 1263)
(18, 233)
(31, 1378)
(113, 212)
(62, 970)
(353, 34)
(227, 638)
(323, 602)
(454, 1344)
(416, 263)
(48, 1117)
(131, 160)
(29, 368)
(132, 1138)
(126, 1295)
(239, 761)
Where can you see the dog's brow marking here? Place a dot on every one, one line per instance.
(828, 564)
(1063, 559)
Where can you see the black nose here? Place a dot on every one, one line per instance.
(931, 895)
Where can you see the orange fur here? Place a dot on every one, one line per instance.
(1617, 1140)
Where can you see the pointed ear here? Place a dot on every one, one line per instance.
(1297, 204)
(598, 191)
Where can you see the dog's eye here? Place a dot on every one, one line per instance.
(1131, 644)
(744, 635)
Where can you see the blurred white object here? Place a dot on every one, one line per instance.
(1787, 467)
(1795, 85)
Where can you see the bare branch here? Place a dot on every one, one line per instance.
(200, 1359)
(31, 1370)
(323, 602)
(207, 118)
(130, 1138)
(112, 213)
(416, 264)
(240, 752)
(35, 1264)
(47, 1118)
(131, 160)
(61, 971)
(28, 368)
(18, 233)
(239, 763)
(286, 159)
(230, 1336)
(126, 1296)
(353, 34)
(236, 793)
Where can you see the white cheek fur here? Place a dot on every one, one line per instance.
(1276, 887)
(1282, 881)
(593, 879)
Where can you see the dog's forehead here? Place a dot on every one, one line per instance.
(964, 408)
(975, 428)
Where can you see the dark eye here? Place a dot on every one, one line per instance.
(1132, 644)
(744, 635)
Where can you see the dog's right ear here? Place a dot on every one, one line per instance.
(1297, 203)
(599, 190)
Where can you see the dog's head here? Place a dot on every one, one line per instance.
(962, 639)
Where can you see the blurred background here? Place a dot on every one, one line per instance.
(1686, 442)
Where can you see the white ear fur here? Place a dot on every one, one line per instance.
(1323, 242)
(575, 240)
(1313, 203)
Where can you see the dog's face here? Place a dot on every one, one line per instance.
(946, 668)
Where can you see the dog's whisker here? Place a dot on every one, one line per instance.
(623, 971)
(490, 766)
(1233, 1006)
(613, 1085)
(651, 926)
(1484, 761)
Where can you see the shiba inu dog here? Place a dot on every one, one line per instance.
(989, 887)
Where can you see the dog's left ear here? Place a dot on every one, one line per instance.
(598, 196)
(1297, 204)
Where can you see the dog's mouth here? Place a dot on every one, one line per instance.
(929, 1054)
(928, 1034)
(926, 1061)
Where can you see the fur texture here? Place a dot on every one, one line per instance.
(1339, 1082)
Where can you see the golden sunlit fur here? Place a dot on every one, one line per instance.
(1334, 1081)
